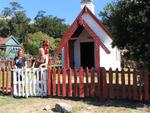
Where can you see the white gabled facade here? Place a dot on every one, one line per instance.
(84, 30)
(106, 60)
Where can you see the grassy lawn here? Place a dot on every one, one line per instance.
(9, 104)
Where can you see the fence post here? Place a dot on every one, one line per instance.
(117, 85)
(70, 82)
(123, 84)
(54, 81)
(6, 69)
(104, 84)
(87, 82)
(111, 90)
(3, 74)
(64, 83)
(99, 82)
(134, 85)
(140, 85)
(146, 85)
(49, 81)
(129, 84)
(92, 92)
(75, 83)
(58, 84)
(12, 82)
(81, 82)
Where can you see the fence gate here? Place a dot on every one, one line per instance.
(30, 82)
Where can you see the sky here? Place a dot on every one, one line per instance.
(65, 9)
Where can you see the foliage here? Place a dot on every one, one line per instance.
(33, 42)
(128, 21)
(19, 25)
(16, 21)
(4, 29)
(50, 25)
(3, 54)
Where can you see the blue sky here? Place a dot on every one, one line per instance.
(67, 9)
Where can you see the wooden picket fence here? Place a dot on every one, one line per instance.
(77, 83)
(100, 83)
(5, 81)
(30, 82)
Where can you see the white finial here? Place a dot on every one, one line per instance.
(88, 3)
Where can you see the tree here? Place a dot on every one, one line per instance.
(33, 42)
(17, 23)
(12, 10)
(4, 28)
(128, 21)
(53, 26)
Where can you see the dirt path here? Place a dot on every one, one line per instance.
(36, 105)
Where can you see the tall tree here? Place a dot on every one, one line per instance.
(53, 26)
(4, 28)
(128, 21)
(17, 23)
(12, 9)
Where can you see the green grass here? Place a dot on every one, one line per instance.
(6, 100)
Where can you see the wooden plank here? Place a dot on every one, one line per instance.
(15, 83)
(3, 82)
(70, 83)
(49, 81)
(0, 77)
(92, 90)
(12, 82)
(58, 84)
(19, 82)
(6, 69)
(81, 82)
(129, 84)
(104, 84)
(54, 81)
(75, 83)
(34, 82)
(146, 85)
(123, 84)
(117, 92)
(111, 90)
(141, 86)
(99, 82)
(64, 83)
(87, 82)
(134, 85)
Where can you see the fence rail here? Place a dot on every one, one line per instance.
(110, 84)
(104, 84)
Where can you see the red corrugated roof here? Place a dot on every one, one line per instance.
(2, 41)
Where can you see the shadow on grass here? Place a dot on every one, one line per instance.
(110, 103)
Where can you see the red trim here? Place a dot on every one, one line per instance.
(95, 37)
(99, 22)
(3, 40)
(97, 56)
(79, 21)
(66, 56)
(69, 32)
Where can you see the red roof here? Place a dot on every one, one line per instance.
(80, 21)
(3, 40)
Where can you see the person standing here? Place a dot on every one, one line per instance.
(20, 61)
(42, 60)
